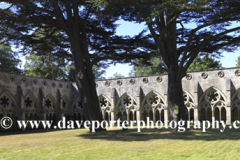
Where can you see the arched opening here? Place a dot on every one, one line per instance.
(124, 116)
(203, 114)
(162, 115)
(223, 114)
(186, 112)
(131, 116)
(119, 116)
(209, 115)
(235, 114)
(135, 117)
(150, 115)
(157, 115)
(216, 113)
(144, 116)
(191, 114)
(106, 118)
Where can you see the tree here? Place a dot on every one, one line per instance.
(9, 61)
(116, 75)
(150, 67)
(238, 62)
(178, 44)
(73, 30)
(98, 72)
(204, 63)
(46, 66)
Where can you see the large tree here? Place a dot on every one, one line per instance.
(75, 30)
(205, 62)
(141, 67)
(9, 60)
(181, 30)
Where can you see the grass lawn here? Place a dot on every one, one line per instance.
(118, 144)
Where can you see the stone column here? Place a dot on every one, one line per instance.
(228, 101)
(113, 104)
(195, 99)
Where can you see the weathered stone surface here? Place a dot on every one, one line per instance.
(207, 93)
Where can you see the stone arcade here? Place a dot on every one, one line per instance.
(206, 94)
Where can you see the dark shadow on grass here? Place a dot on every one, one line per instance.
(34, 131)
(151, 134)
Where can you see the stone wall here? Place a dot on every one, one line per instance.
(207, 94)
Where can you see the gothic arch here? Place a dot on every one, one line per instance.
(66, 105)
(235, 107)
(152, 106)
(189, 104)
(126, 103)
(105, 106)
(213, 100)
(77, 108)
(8, 104)
(31, 104)
(152, 101)
(50, 105)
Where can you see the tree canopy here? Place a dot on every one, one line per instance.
(152, 66)
(9, 60)
(182, 30)
(116, 75)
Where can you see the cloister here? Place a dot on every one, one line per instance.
(206, 94)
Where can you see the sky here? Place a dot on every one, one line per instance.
(128, 28)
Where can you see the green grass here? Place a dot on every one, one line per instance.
(118, 144)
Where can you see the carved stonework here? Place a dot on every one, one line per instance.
(204, 75)
(188, 100)
(104, 104)
(237, 72)
(132, 81)
(61, 85)
(107, 83)
(119, 82)
(24, 80)
(127, 104)
(53, 84)
(212, 99)
(35, 81)
(221, 74)
(12, 78)
(159, 79)
(145, 80)
(45, 83)
(188, 76)
(154, 102)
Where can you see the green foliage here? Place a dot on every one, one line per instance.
(9, 61)
(238, 62)
(150, 67)
(46, 66)
(116, 76)
(204, 63)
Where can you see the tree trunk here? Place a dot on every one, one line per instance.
(175, 95)
(85, 81)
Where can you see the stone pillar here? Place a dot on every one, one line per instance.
(139, 100)
(195, 99)
(113, 104)
(166, 108)
(228, 101)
